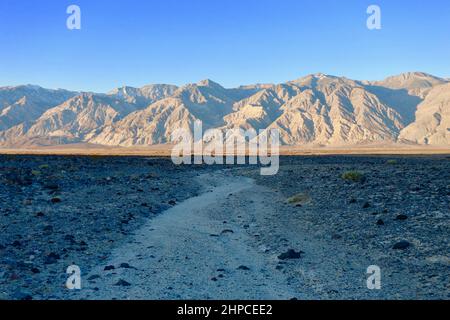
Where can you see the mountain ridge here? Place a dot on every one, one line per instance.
(317, 109)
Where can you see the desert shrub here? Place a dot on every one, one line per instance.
(301, 198)
(353, 176)
(392, 162)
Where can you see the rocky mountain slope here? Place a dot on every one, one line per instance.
(317, 110)
(27, 103)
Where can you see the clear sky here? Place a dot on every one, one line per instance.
(233, 42)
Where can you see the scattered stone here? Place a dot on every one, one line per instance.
(290, 254)
(366, 205)
(109, 268)
(380, 222)
(16, 244)
(35, 270)
(56, 200)
(126, 266)
(401, 217)
(402, 245)
(122, 283)
(245, 268)
(52, 258)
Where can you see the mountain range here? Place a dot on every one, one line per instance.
(315, 110)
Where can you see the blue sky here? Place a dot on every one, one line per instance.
(233, 42)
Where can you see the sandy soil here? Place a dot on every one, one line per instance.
(165, 150)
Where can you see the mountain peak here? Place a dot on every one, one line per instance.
(414, 75)
(209, 83)
(411, 81)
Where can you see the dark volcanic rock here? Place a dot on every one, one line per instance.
(52, 258)
(245, 268)
(122, 283)
(16, 244)
(35, 270)
(401, 217)
(402, 245)
(290, 254)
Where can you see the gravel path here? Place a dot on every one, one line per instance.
(198, 249)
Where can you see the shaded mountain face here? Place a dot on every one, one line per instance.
(314, 110)
(404, 92)
(432, 125)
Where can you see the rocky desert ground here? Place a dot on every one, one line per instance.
(143, 228)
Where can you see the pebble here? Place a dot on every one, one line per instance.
(401, 217)
(290, 254)
(402, 245)
(245, 268)
(122, 283)
(52, 258)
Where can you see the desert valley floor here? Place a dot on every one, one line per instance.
(143, 228)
